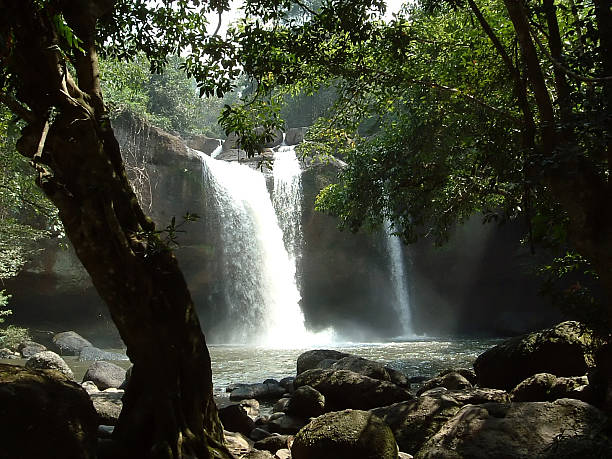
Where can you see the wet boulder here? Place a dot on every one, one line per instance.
(310, 359)
(48, 360)
(258, 391)
(544, 387)
(347, 389)
(105, 375)
(92, 353)
(467, 373)
(287, 384)
(372, 369)
(285, 423)
(70, 343)
(204, 144)
(295, 135)
(345, 434)
(273, 443)
(306, 402)
(6, 353)
(561, 429)
(28, 348)
(44, 414)
(561, 351)
(452, 381)
(414, 422)
(235, 419)
(471, 396)
(108, 405)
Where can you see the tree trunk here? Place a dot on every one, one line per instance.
(168, 408)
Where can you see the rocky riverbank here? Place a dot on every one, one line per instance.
(537, 395)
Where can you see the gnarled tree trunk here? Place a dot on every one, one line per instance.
(168, 409)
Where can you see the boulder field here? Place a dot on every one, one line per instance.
(343, 406)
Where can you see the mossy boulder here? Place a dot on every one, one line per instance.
(347, 434)
(346, 389)
(44, 414)
(563, 350)
(414, 422)
(544, 387)
(561, 429)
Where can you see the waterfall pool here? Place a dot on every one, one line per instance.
(249, 364)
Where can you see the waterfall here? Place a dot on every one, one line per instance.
(399, 281)
(260, 285)
(217, 151)
(287, 199)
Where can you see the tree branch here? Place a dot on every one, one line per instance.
(14, 106)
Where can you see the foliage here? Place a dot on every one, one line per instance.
(11, 336)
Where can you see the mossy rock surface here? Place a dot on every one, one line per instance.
(347, 434)
(43, 414)
(564, 350)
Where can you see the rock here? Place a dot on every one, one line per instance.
(452, 381)
(204, 144)
(273, 443)
(401, 455)
(472, 396)
(417, 379)
(48, 360)
(29, 348)
(561, 429)
(105, 431)
(286, 423)
(91, 353)
(326, 364)
(44, 414)
(235, 419)
(371, 369)
(231, 142)
(128, 375)
(295, 135)
(281, 405)
(346, 389)
(306, 402)
(259, 434)
(345, 434)
(108, 405)
(561, 350)
(8, 354)
(90, 387)
(257, 391)
(467, 373)
(237, 443)
(287, 383)
(270, 381)
(70, 343)
(283, 454)
(105, 375)
(251, 406)
(544, 387)
(310, 359)
(415, 421)
(256, 454)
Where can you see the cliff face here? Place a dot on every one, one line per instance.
(344, 278)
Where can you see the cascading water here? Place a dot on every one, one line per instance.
(261, 291)
(398, 279)
(287, 199)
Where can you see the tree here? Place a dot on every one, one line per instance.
(50, 79)
(476, 108)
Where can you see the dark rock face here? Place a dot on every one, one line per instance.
(44, 414)
(257, 391)
(452, 380)
(48, 360)
(306, 402)
(235, 419)
(29, 348)
(70, 343)
(560, 350)
(413, 422)
(311, 359)
(105, 375)
(273, 443)
(346, 389)
(285, 423)
(544, 387)
(346, 434)
(561, 429)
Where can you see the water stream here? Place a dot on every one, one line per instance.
(260, 282)
(399, 281)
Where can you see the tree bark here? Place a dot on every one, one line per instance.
(168, 408)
